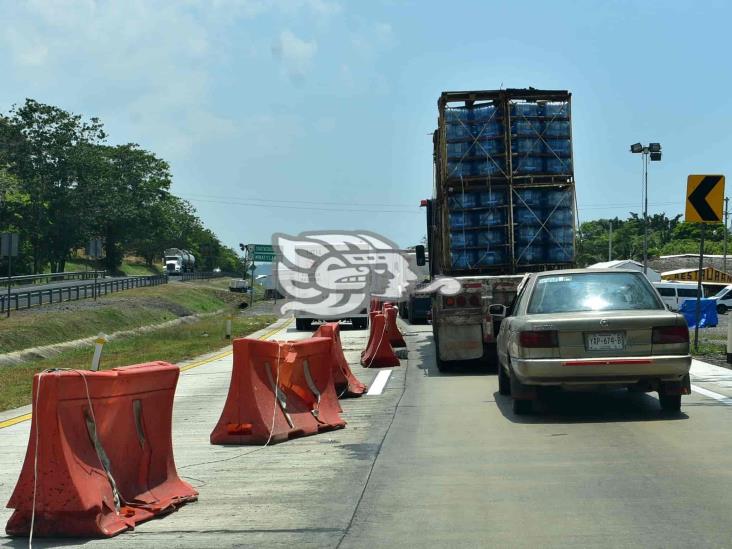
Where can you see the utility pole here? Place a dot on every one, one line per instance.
(610, 243)
(726, 213)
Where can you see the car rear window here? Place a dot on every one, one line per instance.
(667, 292)
(592, 292)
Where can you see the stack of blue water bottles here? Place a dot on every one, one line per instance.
(540, 138)
(544, 225)
(479, 228)
(475, 141)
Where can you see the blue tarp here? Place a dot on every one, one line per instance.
(708, 318)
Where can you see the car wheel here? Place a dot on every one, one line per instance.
(360, 323)
(504, 382)
(302, 324)
(670, 403)
(721, 309)
(522, 407)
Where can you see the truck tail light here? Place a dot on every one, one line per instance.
(448, 301)
(670, 334)
(539, 338)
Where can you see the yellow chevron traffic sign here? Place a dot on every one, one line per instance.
(704, 198)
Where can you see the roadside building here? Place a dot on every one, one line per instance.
(651, 274)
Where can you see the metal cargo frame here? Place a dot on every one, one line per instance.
(444, 184)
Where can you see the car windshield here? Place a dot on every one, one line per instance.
(592, 292)
(722, 292)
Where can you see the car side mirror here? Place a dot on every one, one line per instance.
(497, 310)
(419, 250)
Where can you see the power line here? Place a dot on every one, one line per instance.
(236, 202)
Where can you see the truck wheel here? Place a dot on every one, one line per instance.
(360, 323)
(442, 365)
(670, 404)
(504, 382)
(721, 309)
(302, 324)
(522, 407)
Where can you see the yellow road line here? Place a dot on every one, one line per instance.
(12, 421)
(25, 417)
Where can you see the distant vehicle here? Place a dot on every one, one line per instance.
(586, 329)
(239, 285)
(673, 294)
(178, 261)
(723, 299)
(414, 306)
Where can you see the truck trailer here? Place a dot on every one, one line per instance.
(503, 205)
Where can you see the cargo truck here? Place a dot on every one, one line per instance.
(178, 261)
(503, 204)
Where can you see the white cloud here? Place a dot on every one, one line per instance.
(295, 54)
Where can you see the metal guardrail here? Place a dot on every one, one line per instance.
(35, 298)
(201, 275)
(51, 277)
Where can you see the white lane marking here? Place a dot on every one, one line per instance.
(711, 394)
(379, 383)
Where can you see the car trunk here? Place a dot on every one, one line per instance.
(604, 333)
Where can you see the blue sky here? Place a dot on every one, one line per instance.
(316, 114)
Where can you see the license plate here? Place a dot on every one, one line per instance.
(606, 341)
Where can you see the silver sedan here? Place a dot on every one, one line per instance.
(588, 328)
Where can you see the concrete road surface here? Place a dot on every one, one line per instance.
(439, 460)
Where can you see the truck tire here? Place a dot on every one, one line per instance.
(522, 407)
(504, 382)
(443, 366)
(302, 324)
(360, 323)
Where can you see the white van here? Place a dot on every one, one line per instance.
(723, 299)
(674, 294)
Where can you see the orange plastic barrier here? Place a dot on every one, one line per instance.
(346, 383)
(306, 372)
(392, 330)
(372, 316)
(105, 454)
(269, 397)
(379, 352)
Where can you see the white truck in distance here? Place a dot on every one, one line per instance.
(178, 261)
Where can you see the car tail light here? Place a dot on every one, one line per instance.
(474, 300)
(670, 334)
(539, 338)
(449, 301)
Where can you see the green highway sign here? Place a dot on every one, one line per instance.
(263, 249)
(265, 257)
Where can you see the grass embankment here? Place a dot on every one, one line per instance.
(129, 268)
(709, 349)
(120, 311)
(169, 344)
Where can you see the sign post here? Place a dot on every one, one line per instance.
(94, 251)
(9, 249)
(704, 203)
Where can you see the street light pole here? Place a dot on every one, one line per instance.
(650, 152)
(645, 212)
